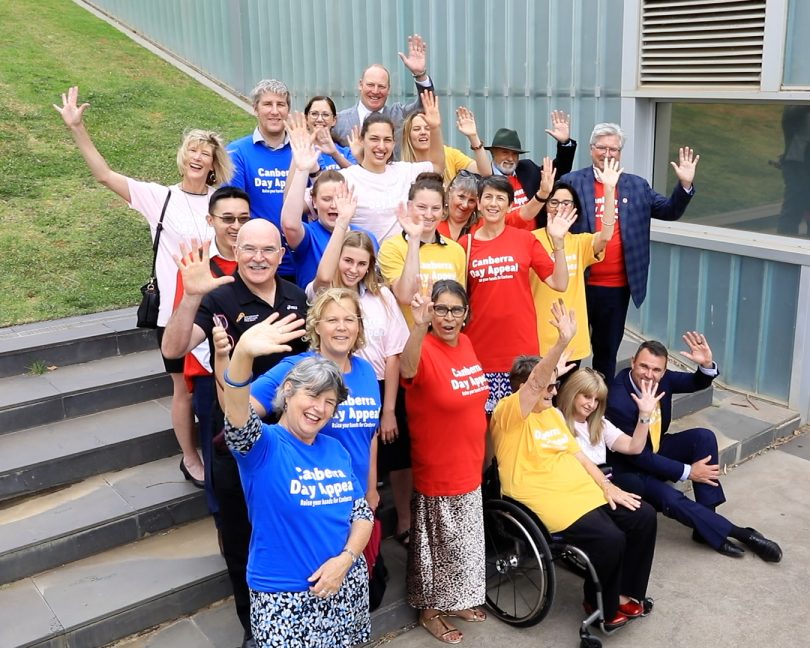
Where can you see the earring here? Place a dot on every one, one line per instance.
(212, 178)
(284, 407)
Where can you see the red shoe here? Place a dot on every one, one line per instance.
(616, 622)
(631, 609)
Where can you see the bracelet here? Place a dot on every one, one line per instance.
(644, 419)
(539, 199)
(230, 382)
(562, 249)
(351, 553)
(477, 148)
(610, 224)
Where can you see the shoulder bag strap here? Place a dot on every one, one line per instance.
(158, 230)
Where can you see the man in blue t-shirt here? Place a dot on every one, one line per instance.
(262, 159)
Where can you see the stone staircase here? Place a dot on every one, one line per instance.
(102, 540)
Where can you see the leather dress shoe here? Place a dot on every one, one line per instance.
(728, 548)
(766, 549)
(189, 477)
(631, 609)
(616, 622)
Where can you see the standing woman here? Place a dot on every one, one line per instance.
(321, 114)
(202, 162)
(380, 184)
(308, 581)
(446, 391)
(461, 214)
(500, 261)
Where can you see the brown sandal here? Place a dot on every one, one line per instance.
(441, 629)
(471, 615)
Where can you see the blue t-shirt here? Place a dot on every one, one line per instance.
(356, 419)
(326, 161)
(262, 173)
(309, 252)
(299, 499)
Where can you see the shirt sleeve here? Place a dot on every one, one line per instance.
(391, 261)
(540, 261)
(610, 433)
(239, 178)
(397, 334)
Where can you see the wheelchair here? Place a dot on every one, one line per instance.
(520, 566)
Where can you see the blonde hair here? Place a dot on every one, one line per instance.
(361, 241)
(589, 382)
(221, 163)
(315, 313)
(407, 154)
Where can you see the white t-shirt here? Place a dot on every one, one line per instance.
(597, 453)
(184, 220)
(378, 195)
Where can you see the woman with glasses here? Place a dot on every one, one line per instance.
(321, 114)
(202, 163)
(416, 145)
(446, 390)
(583, 400)
(461, 214)
(334, 328)
(581, 252)
(541, 465)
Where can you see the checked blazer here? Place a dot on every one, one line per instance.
(637, 204)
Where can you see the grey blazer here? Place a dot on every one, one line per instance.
(397, 112)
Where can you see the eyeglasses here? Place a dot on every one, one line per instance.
(320, 115)
(220, 320)
(251, 250)
(230, 220)
(456, 311)
(350, 320)
(553, 387)
(605, 149)
(464, 173)
(556, 203)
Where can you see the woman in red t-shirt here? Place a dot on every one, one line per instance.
(445, 392)
(499, 261)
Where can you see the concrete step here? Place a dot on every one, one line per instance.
(72, 340)
(94, 601)
(66, 392)
(68, 451)
(99, 513)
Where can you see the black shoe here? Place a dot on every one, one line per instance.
(198, 483)
(728, 548)
(766, 549)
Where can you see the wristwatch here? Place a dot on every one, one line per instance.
(644, 419)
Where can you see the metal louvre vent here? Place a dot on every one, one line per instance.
(706, 43)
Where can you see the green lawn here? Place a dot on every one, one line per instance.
(69, 245)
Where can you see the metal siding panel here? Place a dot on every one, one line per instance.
(748, 310)
(780, 309)
(716, 279)
(685, 306)
(658, 299)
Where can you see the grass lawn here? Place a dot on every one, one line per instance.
(70, 246)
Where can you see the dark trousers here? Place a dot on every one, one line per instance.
(203, 403)
(235, 530)
(621, 545)
(698, 514)
(607, 312)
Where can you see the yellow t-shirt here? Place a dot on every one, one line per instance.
(579, 255)
(537, 465)
(436, 261)
(454, 161)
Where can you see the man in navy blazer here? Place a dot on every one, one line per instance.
(623, 271)
(688, 455)
(374, 86)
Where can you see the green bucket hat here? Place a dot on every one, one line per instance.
(506, 138)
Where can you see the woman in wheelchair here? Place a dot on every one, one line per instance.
(541, 466)
(583, 400)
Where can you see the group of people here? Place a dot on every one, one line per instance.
(343, 298)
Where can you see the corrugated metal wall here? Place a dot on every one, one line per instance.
(510, 61)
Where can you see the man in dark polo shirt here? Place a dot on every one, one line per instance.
(250, 296)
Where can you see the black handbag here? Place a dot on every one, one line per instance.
(150, 293)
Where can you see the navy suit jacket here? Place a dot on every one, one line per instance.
(638, 203)
(622, 411)
(528, 172)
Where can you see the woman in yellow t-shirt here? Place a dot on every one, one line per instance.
(541, 465)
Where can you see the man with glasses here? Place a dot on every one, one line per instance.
(623, 272)
(250, 296)
(525, 175)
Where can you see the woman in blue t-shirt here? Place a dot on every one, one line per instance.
(308, 581)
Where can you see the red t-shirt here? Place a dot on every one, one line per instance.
(448, 426)
(503, 322)
(513, 215)
(610, 272)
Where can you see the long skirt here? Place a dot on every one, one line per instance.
(446, 569)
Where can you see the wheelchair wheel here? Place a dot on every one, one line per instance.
(520, 574)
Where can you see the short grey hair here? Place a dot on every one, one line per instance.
(607, 128)
(315, 374)
(273, 86)
(466, 182)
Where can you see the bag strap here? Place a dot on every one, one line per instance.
(215, 269)
(158, 230)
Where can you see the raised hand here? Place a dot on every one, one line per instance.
(421, 309)
(558, 224)
(547, 174)
(430, 103)
(356, 144)
(699, 350)
(195, 268)
(410, 222)
(346, 203)
(560, 126)
(323, 140)
(70, 109)
(686, 166)
(222, 341)
(609, 176)
(563, 366)
(648, 400)
(564, 320)
(305, 155)
(465, 122)
(271, 336)
(416, 60)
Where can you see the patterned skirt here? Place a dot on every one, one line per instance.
(303, 620)
(499, 387)
(446, 569)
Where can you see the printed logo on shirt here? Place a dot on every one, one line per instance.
(356, 409)
(492, 268)
(552, 439)
(250, 318)
(469, 380)
(321, 486)
(270, 180)
(599, 207)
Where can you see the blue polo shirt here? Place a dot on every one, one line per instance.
(309, 252)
